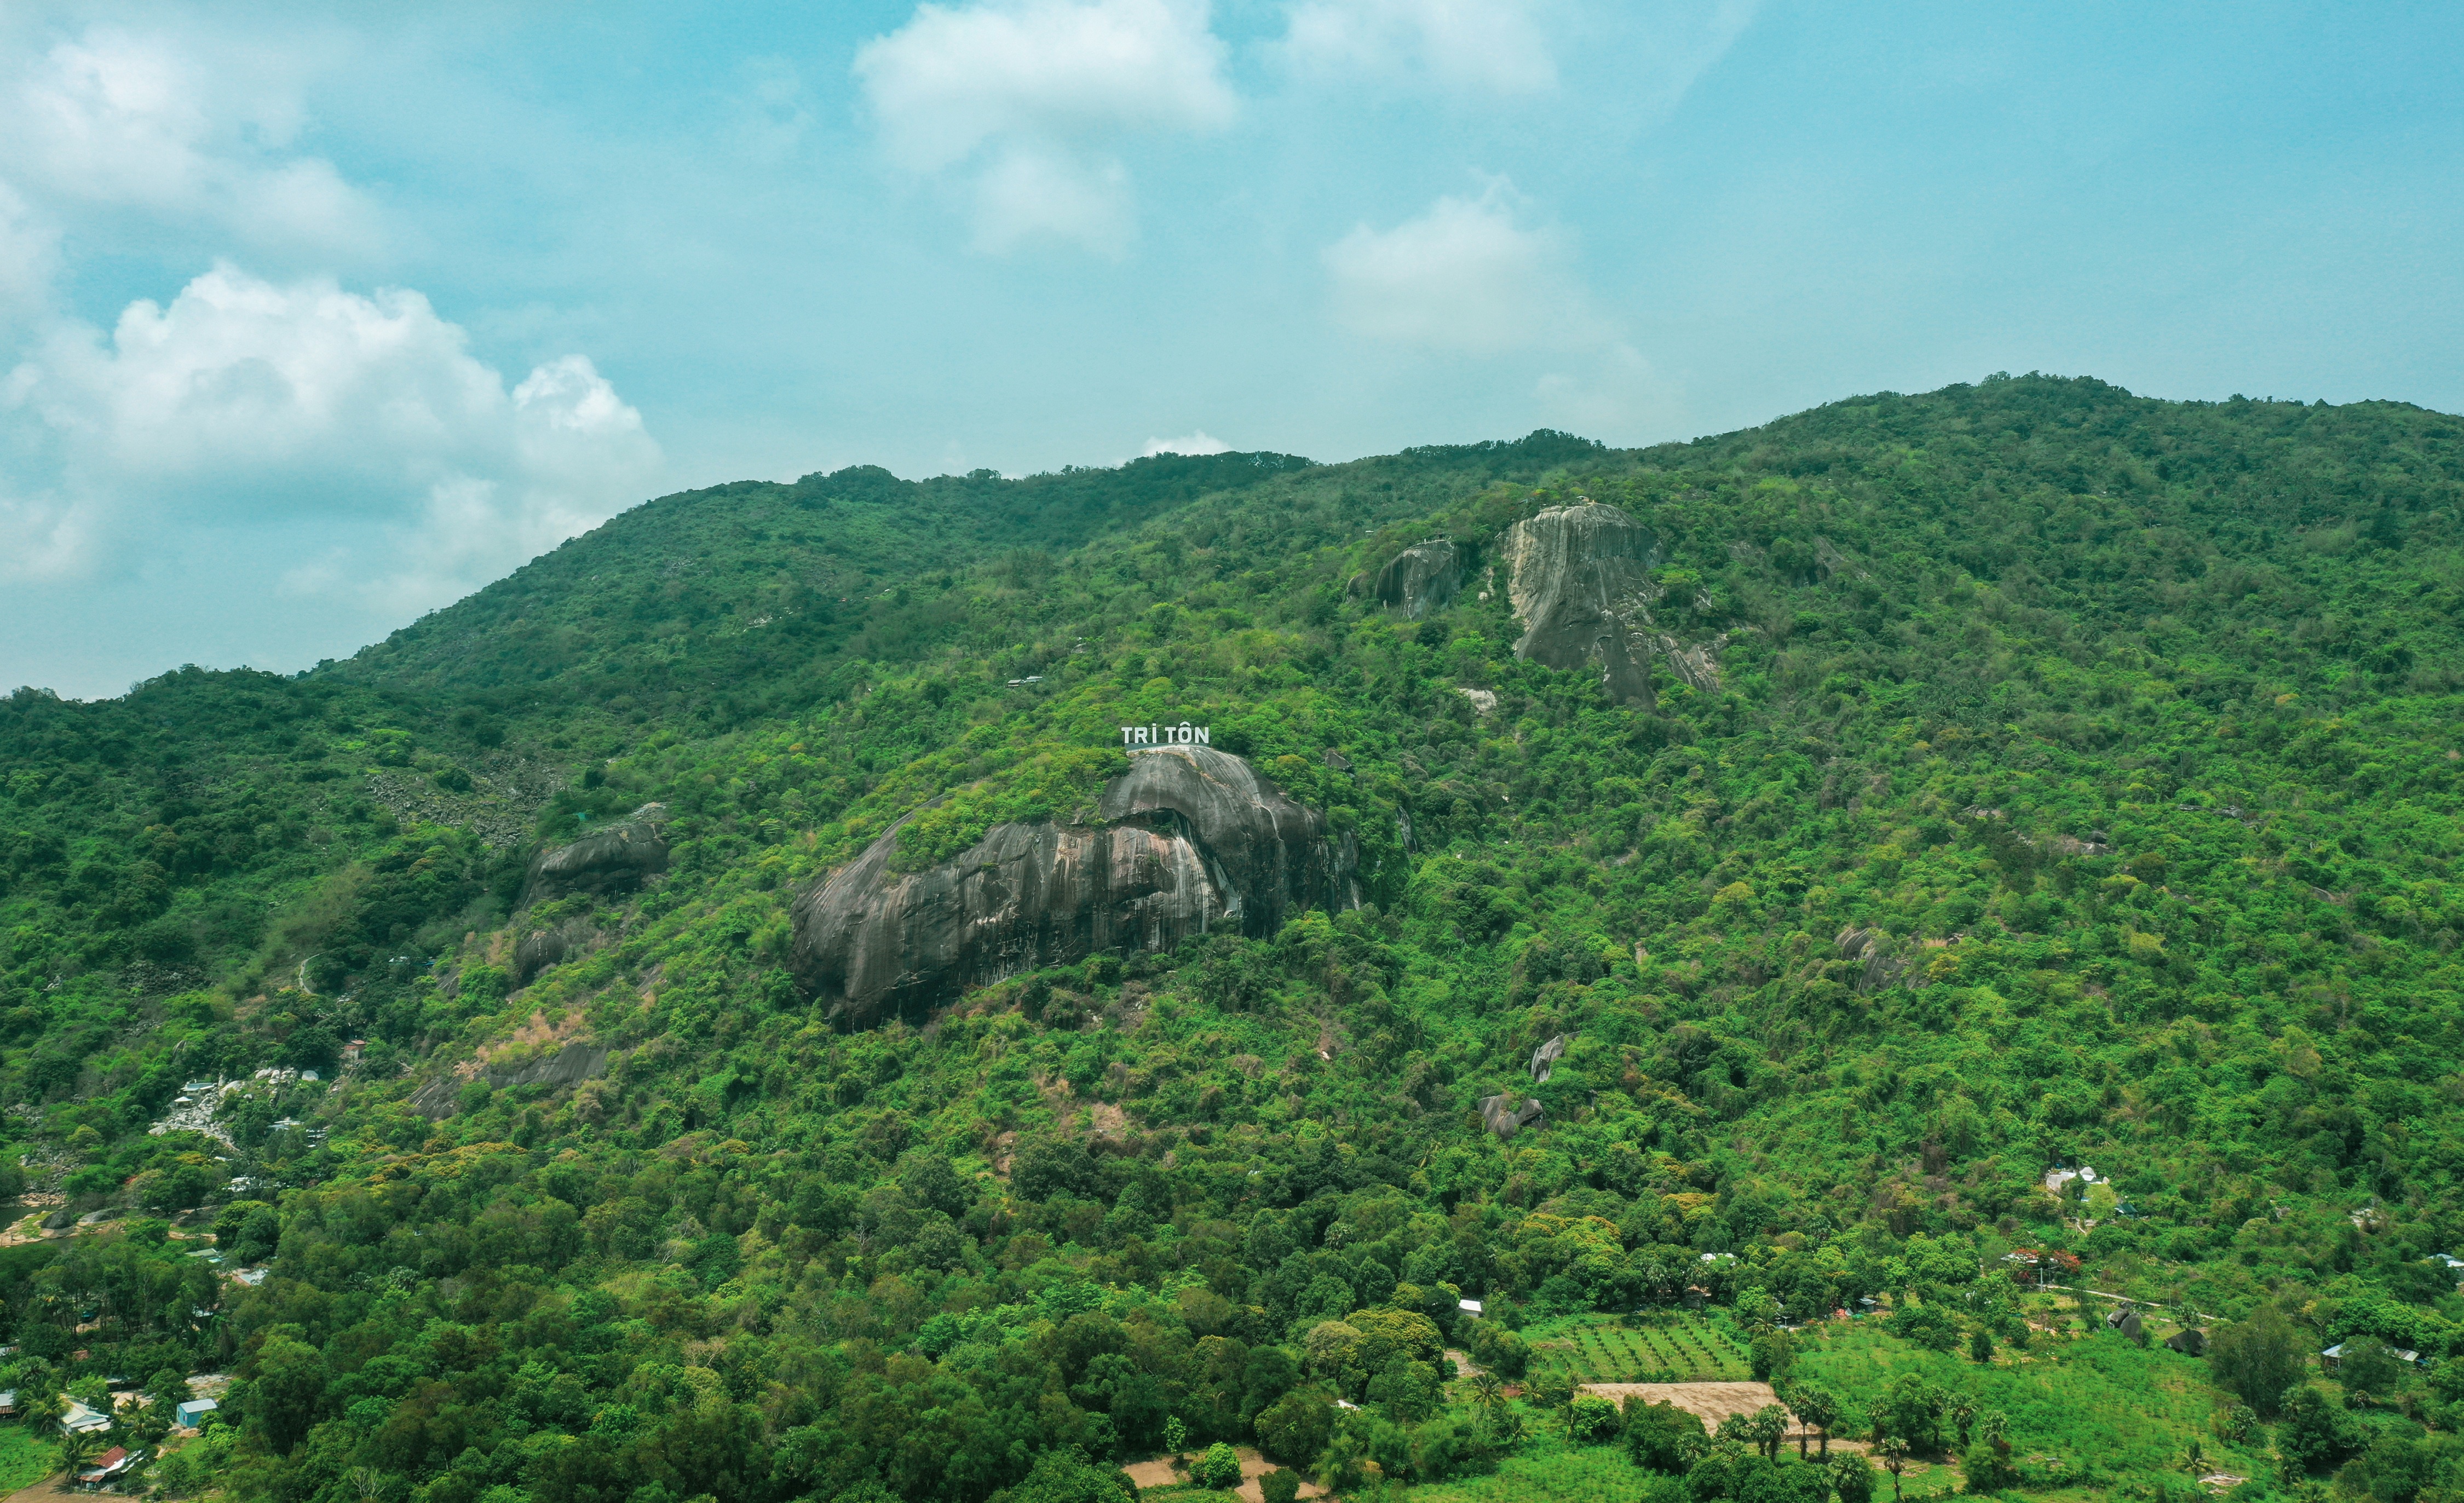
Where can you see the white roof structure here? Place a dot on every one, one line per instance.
(77, 1419)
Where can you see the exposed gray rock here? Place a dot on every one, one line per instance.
(569, 1066)
(1872, 949)
(1420, 579)
(612, 859)
(1544, 1059)
(1505, 1121)
(2190, 1341)
(537, 952)
(1580, 583)
(2124, 1321)
(1193, 841)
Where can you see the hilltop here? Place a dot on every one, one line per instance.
(1664, 895)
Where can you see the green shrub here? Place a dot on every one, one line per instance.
(1219, 1468)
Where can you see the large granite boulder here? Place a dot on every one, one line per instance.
(1420, 579)
(1191, 841)
(612, 858)
(1579, 578)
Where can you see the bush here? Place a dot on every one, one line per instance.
(1219, 1468)
(2258, 1360)
(2317, 1432)
(1591, 1421)
(1293, 1429)
(1986, 1467)
(1663, 1437)
(1501, 1351)
(1282, 1485)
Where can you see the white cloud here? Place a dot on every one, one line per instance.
(247, 404)
(1200, 442)
(1026, 101)
(1466, 276)
(117, 120)
(1495, 45)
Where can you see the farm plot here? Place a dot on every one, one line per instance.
(1675, 1347)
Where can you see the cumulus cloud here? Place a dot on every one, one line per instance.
(1464, 275)
(120, 121)
(1200, 442)
(1495, 45)
(245, 402)
(1025, 102)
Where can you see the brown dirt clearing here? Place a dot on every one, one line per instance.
(1158, 1473)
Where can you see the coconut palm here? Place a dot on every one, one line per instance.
(77, 1448)
(1488, 1391)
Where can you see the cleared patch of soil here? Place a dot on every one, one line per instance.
(1158, 1473)
(1713, 1402)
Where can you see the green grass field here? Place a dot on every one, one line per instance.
(24, 1459)
(1665, 1346)
(2102, 1408)
(1548, 1470)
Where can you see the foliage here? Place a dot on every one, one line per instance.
(2077, 782)
(1218, 1469)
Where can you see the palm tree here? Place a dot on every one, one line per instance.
(1963, 1416)
(1894, 1452)
(76, 1449)
(2194, 1459)
(1488, 1391)
(1820, 1410)
(1995, 1427)
(1767, 1430)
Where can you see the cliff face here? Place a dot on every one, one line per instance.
(1193, 841)
(1580, 583)
(1420, 579)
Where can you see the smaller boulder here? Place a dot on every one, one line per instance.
(1506, 1119)
(1544, 1059)
(2190, 1342)
(612, 859)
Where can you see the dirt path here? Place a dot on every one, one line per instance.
(53, 1488)
(1158, 1473)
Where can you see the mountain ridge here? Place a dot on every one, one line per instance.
(2033, 775)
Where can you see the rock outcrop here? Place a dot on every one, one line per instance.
(537, 952)
(1420, 579)
(1580, 583)
(1544, 1059)
(571, 1065)
(1504, 1118)
(1192, 840)
(612, 859)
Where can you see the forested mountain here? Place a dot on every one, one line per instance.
(776, 1040)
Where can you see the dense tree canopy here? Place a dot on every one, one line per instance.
(2041, 776)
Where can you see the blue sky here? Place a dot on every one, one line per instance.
(308, 326)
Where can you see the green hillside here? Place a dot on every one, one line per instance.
(2040, 776)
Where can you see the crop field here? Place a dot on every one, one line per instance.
(1672, 1346)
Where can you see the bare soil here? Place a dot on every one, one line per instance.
(1158, 1473)
(1713, 1402)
